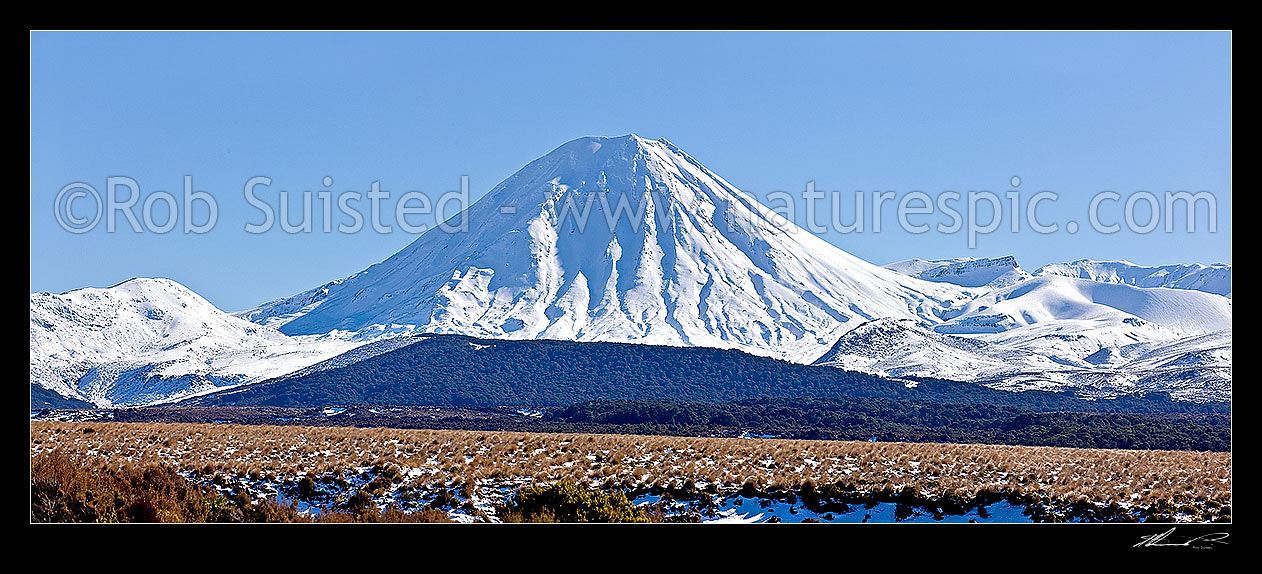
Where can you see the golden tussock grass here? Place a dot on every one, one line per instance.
(1101, 475)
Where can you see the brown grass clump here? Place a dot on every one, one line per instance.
(81, 488)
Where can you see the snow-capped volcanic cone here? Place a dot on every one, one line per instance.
(705, 265)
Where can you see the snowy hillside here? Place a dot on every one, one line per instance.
(964, 271)
(1208, 278)
(152, 340)
(277, 313)
(1049, 299)
(1001, 272)
(704, 266)
(1057, 333)
(1194, 367)
(898, 348)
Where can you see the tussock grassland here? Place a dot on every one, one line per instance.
(1101, 476)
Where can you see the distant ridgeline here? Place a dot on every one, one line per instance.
(42, 398)
(456, 370)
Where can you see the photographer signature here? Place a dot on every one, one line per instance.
(1165, 539)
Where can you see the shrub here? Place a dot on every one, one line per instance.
(306, 488)
(567, 501)
(68, 488)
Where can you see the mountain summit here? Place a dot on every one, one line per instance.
(619, 239)
(632, 240)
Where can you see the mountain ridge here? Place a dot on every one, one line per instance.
(151, 340)
(705, 265)
(683, 259)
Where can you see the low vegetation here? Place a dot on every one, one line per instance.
(78, 488)
(1193, 483)
(568, 501)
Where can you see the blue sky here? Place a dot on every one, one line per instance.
(1075, 113)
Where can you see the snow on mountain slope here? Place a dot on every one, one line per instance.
(1211, 349)
(152, 340)
(1080, 323)
(900, 348)
(360, 353)
(703, 265)
(1195, 368)
(1208, 278)
(1058, 333)
(991, 273)
(1092, 327)
(1049, 299)
(277, 313)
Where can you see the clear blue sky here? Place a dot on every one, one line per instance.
(1075, 113)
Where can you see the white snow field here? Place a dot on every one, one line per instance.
(688, 260)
